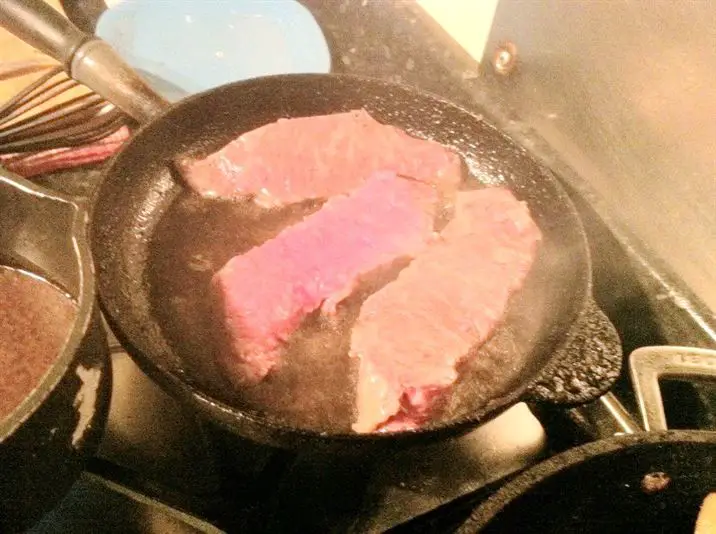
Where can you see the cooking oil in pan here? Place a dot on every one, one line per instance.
(314, 385)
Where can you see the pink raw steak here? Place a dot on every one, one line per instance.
(265, 293)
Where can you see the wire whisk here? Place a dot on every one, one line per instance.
(31, 122)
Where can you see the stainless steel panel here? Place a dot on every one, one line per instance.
(625, 92)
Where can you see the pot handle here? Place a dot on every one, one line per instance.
(87, 59)
(648, 364)
(586, 366)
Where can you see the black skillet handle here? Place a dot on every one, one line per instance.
(87, 59)
(587, 365)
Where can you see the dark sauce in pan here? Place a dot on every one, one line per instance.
(314, 386)
(35, 321)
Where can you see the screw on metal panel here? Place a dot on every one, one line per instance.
(505, 58)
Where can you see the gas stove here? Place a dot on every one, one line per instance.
(161, 470)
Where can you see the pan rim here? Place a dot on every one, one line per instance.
(494, 407)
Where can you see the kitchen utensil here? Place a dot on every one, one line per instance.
(38, 118)
(30, 164)
(573, 350)
(45, 440)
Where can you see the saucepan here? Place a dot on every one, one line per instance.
(653, 481)
(45, 440)
(568, 351)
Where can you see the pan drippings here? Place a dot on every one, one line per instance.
(35, 320)
(314, 386)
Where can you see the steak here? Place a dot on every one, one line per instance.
(265, 293)
(411, 334)
(317, 157)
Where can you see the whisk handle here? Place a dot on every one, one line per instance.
(87, 59)
(39, 25)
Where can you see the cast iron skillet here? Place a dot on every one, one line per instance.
(570, 351)
(46, 439)
(598, 487)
